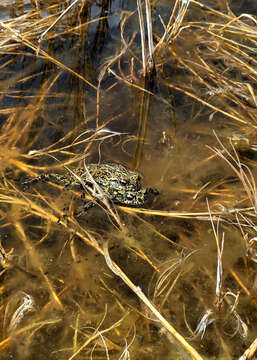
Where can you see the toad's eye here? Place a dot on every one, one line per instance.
(136, 177)
(123, 182)
(129, 196)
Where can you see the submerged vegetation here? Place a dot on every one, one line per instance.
(167, 89)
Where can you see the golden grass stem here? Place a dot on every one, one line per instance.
(58, 19)
(139, 293)
(142, 32)
(240, 120)
(44, 54)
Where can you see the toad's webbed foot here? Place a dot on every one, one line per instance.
(81, 210)
(152, 191)
(88, 205)
(42, 178)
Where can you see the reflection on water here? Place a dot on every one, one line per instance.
(76, 95)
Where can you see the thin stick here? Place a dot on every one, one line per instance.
(142, 32)
(149, 32)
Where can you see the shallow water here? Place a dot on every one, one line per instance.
(49, 118)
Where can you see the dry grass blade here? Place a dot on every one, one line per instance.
(58, 19)
(138, 292)
(229, 115)
(26, 305)
(241, 170)
(204, 215)
(250, 352)
(94, 336)
(142, 129)
(150, 34)
(164, 279)
(142, 33)
(33, 326)
(219, 278)
(173, 27)
(207, 319)
(37, 50)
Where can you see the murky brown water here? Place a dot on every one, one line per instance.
(59, 299)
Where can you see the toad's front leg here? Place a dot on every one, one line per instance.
(58, 179)
(40, 178)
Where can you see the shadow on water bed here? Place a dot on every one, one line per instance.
(171, 112)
